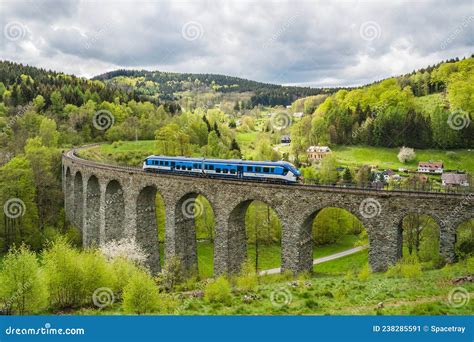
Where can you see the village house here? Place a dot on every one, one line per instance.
(430, 167)
(285, 139)
(454, 179)
(390, 175)
(298, 115)
(316, 153)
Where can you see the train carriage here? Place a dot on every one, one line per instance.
(269, 171)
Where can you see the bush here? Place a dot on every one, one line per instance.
(141, 296)
(123, 270)
(408, 267)
(64, 274)
(219, 291)
(22, 286)
(248, 279)
(127, 248)
(173, 273)
(406, 155)
(95, 273)
(364, 273)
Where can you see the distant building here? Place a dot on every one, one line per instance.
(316, 153)
(430, 167)
(390, 175)
(285, 139)
(298, 115)
(454, 179)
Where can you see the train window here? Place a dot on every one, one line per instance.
(224, 170)
(189, 168)
(218, 170)
(265, 169)
(211, 167)
(258, 169)
(232, 172)
(250, 168)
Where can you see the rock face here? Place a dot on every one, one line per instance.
(109, 202)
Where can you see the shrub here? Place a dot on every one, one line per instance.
(127, 248)
(408, 267)
(218, 291)
(95, 273)
(406, 154)
(64, 274)
(123, 270)
(141, 296)
(248, 279)
(173, 273)
(364, 273)
(22, 286)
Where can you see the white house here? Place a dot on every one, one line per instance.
(430, 167)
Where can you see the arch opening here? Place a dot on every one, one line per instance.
(464, 240)
(419, 238)
(333, 230)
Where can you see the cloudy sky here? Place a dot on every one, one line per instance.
(315, 43)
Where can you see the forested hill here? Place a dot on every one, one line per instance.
(168, 86)
(25, 82)
(429, 108)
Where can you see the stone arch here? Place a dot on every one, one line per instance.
(413, 217)
(92, 221)
(78, 215)
(463, 229)
(147, 227)
(306, 243)
(114, 211)
(186, 210)
(237, 234)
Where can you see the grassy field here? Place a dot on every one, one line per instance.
(428, 293)
(270, 256)
(387, 157)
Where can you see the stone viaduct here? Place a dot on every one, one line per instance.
(111, 202)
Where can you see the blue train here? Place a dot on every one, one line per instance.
(281, 171)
